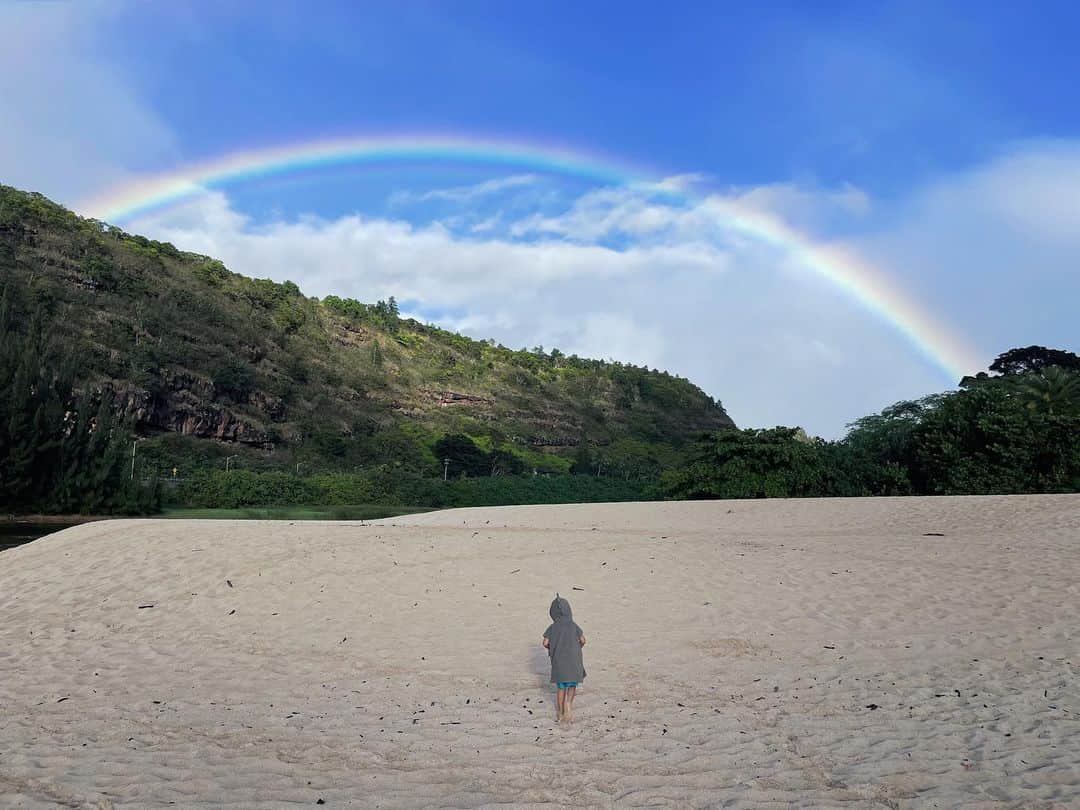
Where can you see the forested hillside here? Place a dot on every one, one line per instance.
(204, 364)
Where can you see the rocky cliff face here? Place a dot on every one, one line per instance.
(181, 409)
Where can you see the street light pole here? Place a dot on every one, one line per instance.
(445, 468)
(133, 443)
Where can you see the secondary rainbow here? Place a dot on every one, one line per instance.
(865, 284)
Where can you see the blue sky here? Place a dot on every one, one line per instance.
(879, 95)
(940, 143)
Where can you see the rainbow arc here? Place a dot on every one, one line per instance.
(866, 285)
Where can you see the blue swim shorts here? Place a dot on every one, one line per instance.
(567, 684)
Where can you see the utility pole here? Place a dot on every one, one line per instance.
(445, 468)
(133, 443)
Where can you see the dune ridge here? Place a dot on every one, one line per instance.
(820, 653)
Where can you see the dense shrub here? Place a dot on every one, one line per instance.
(394, 485)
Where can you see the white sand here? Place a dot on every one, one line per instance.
(734, 650)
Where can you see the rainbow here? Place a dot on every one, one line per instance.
(149, 194)
(855, 278)
(863, 283)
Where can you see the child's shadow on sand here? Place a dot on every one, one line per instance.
(540, 665)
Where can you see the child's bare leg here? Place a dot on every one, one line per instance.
(569, 703)
(560, 703)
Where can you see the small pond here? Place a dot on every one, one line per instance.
(15, 533)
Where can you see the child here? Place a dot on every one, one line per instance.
(564, 641)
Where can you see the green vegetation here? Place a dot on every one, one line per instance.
(240, 489)
(1015, 431)
(60, 450)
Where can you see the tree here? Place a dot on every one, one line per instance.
(503, 462)
(329, 442)
(1052, 390)
(774, 463)
(1034, 359)
(398, 446)
(59, 450)
(877, 455)
(387, 313)
(233, 380)
(28, 411)
(986, 440)
(633, 458)
(583, 459)
(465, 457)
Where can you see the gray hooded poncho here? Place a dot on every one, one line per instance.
(563, 645)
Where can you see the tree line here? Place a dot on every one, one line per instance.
(1014, 429)
(61, 450)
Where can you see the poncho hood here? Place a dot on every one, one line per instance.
(560, 610)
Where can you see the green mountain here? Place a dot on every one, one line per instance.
(207, 363)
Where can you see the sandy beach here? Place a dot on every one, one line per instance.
(821, 653)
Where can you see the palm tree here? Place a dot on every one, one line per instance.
(1051, 391)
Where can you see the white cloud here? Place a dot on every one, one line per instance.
(604, 212)
(72, 124)
(677, 183)
(487, 225)
(1032, 189)
(994, 247)
(372, 258)
(615, 335)
(637, 211)
(804, 207)
(464, 194)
